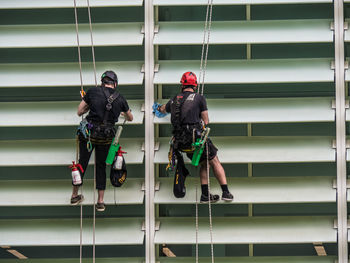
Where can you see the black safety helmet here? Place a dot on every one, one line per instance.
(109, 77)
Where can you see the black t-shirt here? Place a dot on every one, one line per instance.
(192, 107)
(97, 102)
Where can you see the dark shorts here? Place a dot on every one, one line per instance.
(211, 155)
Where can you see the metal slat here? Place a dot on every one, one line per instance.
(241, 32)
(66, 74)
(266, 110)
(44, 36)
(74, 260)
(57, 152)
(249, 71)
(65, 232)
(269, 149)
(267, 190)
(277, 259)
(58, 193)
(36, 4)
(54, 113)
(247, 230)
(235, 2)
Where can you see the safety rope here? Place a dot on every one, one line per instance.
(92, 42)
(209, 205)
(197, 222)
(94, 206)
(203, 67)
(82, 93)
(205, 46)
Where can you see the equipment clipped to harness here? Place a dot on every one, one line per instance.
(114, 148)
(118, 170)
(84, 130)
(119, 160)
(199, 146)
(171, 158)
(76, 170)
(181, 173)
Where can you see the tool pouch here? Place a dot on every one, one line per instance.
(181, 173)
(118, 177)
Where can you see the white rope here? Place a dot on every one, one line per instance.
(94, 206)
(197, 222)
(77, 150)
(94, 218)
(209, 205)
(205, 45)
(92, 42)
(203, 67)
(78, 42)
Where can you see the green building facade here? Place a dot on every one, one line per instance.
(276, 84)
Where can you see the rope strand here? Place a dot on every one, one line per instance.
(203, 67)
(207, 46)
(203, 46)
(92, 42)
(197, 228)
(209, 205)
(82, 92)
(94, 206)
(78, 43)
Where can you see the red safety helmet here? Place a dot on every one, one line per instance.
(189, 79)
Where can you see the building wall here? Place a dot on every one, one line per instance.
(277, 93)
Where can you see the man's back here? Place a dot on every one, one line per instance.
(191, 108)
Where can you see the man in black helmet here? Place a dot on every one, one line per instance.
(105, 105)
(188, 114)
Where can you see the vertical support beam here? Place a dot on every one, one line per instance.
(250, 174)
(249, 46)
(340, 130)
(149, 132)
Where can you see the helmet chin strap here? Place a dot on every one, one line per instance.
(189, 87)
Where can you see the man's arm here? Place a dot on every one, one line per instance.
(205, 117)
(128, 115)
(82, 108)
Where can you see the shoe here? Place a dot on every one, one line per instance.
(76, 200)
(100, 207)
(213, 198)
(227, 196)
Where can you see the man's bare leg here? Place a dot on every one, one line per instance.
(218, 170)
(101, 194)
(75, 191)
(76, 198)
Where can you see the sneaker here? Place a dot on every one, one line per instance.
(76, 200)
(100, 207)
(213, 198)
(226, 196)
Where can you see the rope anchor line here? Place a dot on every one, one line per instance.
(203, 67)
(82, 93)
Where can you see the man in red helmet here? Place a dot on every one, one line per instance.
(188, 111)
